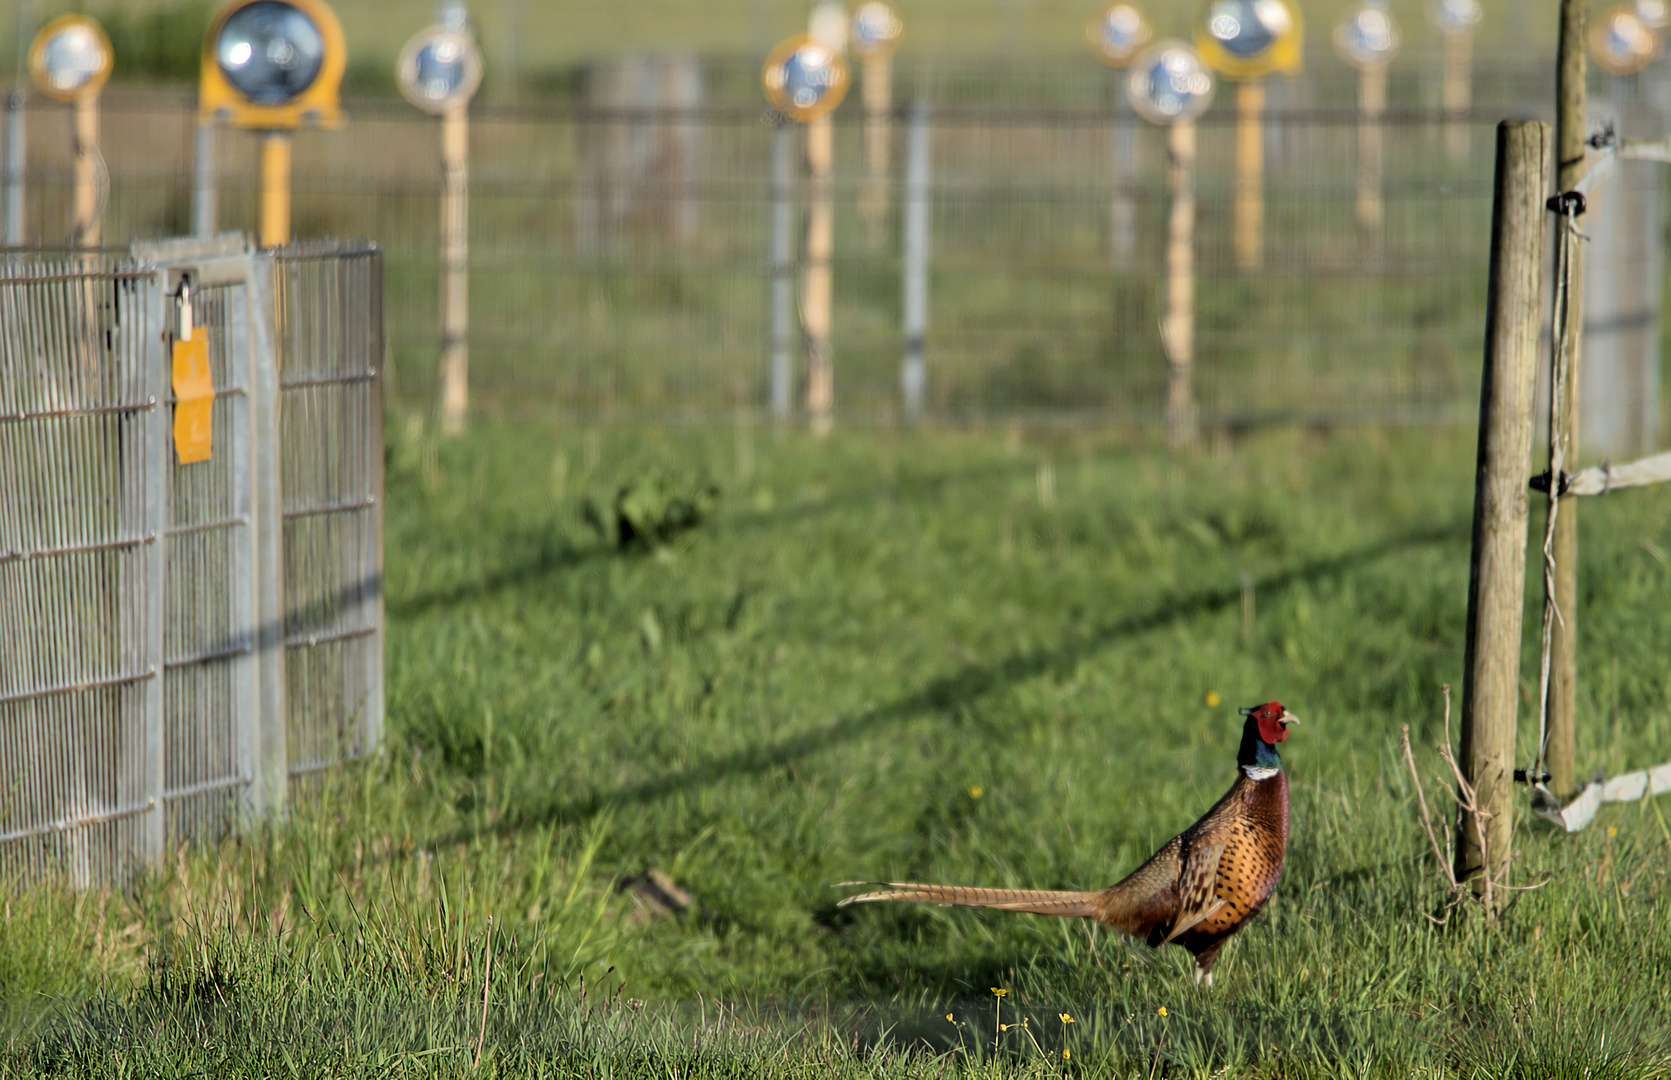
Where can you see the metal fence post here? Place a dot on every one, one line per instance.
(159, 464)
(269, 786)
(16, 151)
(914, 379)
(205, 178)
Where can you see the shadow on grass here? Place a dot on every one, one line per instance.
(963, 686)
(551, 559)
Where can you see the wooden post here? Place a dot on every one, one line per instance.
(1372, 102)
(1497, 573)
(85, 230)
(275, 189)
(816, 278)
(1249, 224)
(783, 269)
(1456, 91)
(1569, 170)
(878, 135)
(455, 280)
(1178, 329)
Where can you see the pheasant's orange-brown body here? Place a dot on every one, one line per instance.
(1198, 889)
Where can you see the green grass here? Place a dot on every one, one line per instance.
(967, 656)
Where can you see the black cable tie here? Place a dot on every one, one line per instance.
(1520, 777)
(1567, 202)
(1540, 482)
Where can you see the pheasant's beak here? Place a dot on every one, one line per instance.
(1287, 718)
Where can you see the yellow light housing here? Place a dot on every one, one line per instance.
(70, 58)
(273, 65)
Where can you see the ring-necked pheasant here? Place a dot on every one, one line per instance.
(1195, 891)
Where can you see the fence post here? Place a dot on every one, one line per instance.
(816, 274)
(1497, 572)
(205, 176)
(1569, 170)
(914, 379)
(455, 268)
(271, 785)
(15, 151)
(1249, 213)
(1123, 212)
(783, 255)
(1178, 328)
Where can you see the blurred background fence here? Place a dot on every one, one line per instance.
(620, 247)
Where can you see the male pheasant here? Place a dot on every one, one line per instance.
(1198, 889)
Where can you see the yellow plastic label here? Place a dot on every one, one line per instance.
(194, 400)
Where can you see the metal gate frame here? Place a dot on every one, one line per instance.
(149, 701)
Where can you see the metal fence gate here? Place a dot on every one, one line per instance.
(182, 644)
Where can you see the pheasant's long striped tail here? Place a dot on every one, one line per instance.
(1036, 901)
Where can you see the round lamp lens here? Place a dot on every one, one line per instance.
(1246, 28)
(1117, 32)
(875, 26)
(270, 51)
(1368, 37)
(1170, 83)
(807, 75)
(73, 57)
(440, 68)
(1655, 14)
(1621, 42)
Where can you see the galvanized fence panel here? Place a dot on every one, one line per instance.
(147, 636)
(330, 354)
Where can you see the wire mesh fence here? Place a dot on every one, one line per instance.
(182, 642)
(620, 248)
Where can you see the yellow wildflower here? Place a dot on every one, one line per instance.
(1003, 1027)
(1612, 830)
(1163, 1010)
(1066, 1019)
(948, 1016)
(976, 791)
(1065, 1054)
(1213, 699)
(998, 993)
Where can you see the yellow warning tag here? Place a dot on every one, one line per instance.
(194, 400)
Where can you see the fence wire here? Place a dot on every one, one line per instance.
(620, 248)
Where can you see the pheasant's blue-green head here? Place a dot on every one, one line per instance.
(1266, 726)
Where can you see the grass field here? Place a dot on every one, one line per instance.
(967, 656)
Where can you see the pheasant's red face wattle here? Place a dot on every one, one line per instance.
(1271, 728)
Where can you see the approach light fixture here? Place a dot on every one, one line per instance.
(1249, 39)
(876, 29)
(1170, 83)
(70, 58)
(273, 65)
(1620, 42)
(441, 68)
(804, 79)
(1117, 32)
(1368, 37)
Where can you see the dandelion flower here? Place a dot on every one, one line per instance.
(1163, 1010)
(976, 791)
(1066, 1019)
(998, 993)
(1213, 699)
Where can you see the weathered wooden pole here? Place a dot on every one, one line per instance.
(86, 230)
(455, 267)
(1560, 749)
(1372, 102)
(1497, 573)
(1179, 335)
(817, 277)
(1248, 240)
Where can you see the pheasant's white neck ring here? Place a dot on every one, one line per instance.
(1261, 772)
